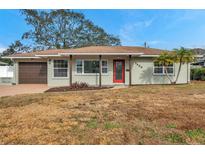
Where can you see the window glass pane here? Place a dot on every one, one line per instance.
(104, 70)
(60, 63)
(170, 65)
(79, 66)
(158, 70)
(157, 64)
(170, 70)
(91, 66)
(104, 66)
(119, 69)
(79, 69)
(79, 62)
(60, 72)
(104, 63)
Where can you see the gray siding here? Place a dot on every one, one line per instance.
(107, 79)
(144, 74)
(57, 81)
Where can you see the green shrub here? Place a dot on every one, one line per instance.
(198, 74)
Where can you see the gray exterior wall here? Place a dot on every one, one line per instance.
(56, 81)
(142, 72)
(16, 71)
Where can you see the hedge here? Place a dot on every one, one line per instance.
(198, 74)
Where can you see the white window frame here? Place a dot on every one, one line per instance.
(90, 73)
(60, 68)
(163, 70)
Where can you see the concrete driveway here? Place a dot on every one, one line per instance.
(22, 89)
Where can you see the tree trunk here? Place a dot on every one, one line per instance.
(179, 70)
(168, 76)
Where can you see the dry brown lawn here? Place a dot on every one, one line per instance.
(137, 115)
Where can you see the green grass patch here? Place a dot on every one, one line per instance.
(92, 124)
(111, 125)
(171, 126)
(153, 133)
(196, 133)
(174, 138)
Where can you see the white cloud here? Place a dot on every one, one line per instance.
(128, 32)
(2, 48)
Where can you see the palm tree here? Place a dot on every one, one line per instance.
(165, 59)
(180, 56)
(183, 56)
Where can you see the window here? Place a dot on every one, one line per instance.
(90, 66)
(170, 69)
(79, 66)
(60, 68)
(104, 66)
(159, 69)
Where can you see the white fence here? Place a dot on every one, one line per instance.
(6, 71)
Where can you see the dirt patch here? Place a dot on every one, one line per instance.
(150, 114)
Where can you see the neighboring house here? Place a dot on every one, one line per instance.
(119, 65)
(3, 64)
(199, 58)
(199, 62)
(6, 74)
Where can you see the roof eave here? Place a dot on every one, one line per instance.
(20, 57)
(63, 54)
(149, 56)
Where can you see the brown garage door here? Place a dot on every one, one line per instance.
(33, 72)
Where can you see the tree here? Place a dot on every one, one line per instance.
(180, 56)
(15, 47)
(64, 29)
(183, 56)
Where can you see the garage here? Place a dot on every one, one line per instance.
(32, 73)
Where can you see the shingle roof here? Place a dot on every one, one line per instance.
(94, 50)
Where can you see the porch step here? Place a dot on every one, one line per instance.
(119, 86)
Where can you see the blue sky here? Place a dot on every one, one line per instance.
(165, 29)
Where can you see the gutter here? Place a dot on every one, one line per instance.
(20, 57)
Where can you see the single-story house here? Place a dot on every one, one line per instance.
(118, 65)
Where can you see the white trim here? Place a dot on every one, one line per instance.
(100, 53)
(149, 55)
(163, 74)
(20, 57)
(92, 74)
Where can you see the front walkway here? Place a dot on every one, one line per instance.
(22, 89)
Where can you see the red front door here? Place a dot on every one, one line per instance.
(119, 71)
